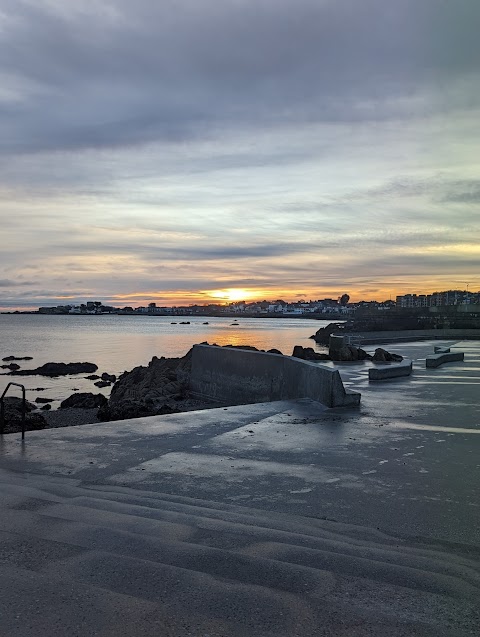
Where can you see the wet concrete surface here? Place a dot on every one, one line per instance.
(271, 520)
(407, 461)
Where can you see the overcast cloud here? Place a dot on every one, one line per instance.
(162, 150)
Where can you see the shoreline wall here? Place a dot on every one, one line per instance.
(398, 336)
(241, 377)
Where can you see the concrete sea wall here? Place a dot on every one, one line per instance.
(394, 336)
(241, 376)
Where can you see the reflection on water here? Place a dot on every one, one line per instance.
(119, 343)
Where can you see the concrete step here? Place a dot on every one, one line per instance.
(45, 605)
(255, 582)
(227, 529)
(65, 490)
(289, 567)
(245, 568)
(295, 533)
(371, 561)
(44, 543)
(221, 582)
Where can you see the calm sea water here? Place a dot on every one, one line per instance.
(119, 343)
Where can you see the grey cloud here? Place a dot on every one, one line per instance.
(463, 192)
(120, 73)
(10, 283)
(188, 251)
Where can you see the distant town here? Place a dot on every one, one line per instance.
(328, 307)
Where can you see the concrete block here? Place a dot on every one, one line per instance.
(239, 377)
(383, 372)
(439, 349)
(435, 360)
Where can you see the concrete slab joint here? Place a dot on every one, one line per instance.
(243, 376)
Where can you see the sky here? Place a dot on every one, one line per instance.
(196, 151)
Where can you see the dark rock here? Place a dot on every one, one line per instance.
(206, 323)
(382, 356)
(44, 400)
(147, 391)
(184, 322)
(247, 347)
(57, 369)
(308, 354)
(85, 400)
(12, 367)
(13, 416)
(92, 377)
(102, 383)
(346, 353)
(111, 378)
(46, 407)
(132, 409)
(322, 335)
(349, 353)
(274, 351)
(363, 355)
(298, 352)
(17, 358)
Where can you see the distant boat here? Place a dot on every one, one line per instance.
(206, 323)
(173, 323)
(184, 322)
(234, 323)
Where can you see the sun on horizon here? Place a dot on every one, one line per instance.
(231, 295)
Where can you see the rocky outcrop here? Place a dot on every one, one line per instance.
(109, 378)
(382, 356)
(43, 400)
(93, 377)
(17, 358)
(148, 391)
(348, 353)
(309, 354)
(85, 400)
(13, 416)
(132, 409)
(57, 369)
(11, 366)
(102, 383)
(322, 335)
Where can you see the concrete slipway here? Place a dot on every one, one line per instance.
(274, 519)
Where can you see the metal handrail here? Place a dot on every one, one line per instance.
(2, 408)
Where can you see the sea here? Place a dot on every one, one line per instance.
(120, 343)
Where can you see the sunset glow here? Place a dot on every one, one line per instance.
(231, 295)
(342, 159)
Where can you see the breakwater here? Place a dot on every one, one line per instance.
(398, 336)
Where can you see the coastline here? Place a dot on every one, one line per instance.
(228, 315)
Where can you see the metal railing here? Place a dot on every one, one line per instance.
(2, 408)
